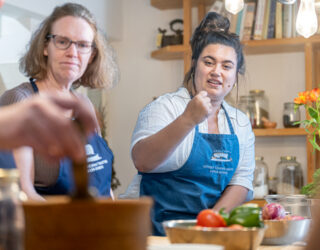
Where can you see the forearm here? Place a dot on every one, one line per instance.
(150, 152)
(232, 196)
(25, 163)
(9, 128)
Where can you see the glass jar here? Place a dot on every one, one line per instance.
(290, 176)
(260, 107)
(272, 184)
(260, 182)
(11, 211)
(290, 116)
(246, 105)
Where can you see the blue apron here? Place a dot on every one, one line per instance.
(99, 159)
(6, 159)
(198, 184)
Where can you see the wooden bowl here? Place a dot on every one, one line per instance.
(185, 231)
(87, 224)
(269, 124)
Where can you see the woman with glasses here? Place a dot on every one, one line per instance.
(192, 149)
(67, 51)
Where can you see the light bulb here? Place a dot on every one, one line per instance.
(234, 6)
(307, 22)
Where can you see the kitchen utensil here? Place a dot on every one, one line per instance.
(185, 231)
(83, 223)
(175, 39)
(285, 232)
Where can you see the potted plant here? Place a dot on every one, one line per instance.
(311, 102)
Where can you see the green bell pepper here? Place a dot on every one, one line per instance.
(246, 216)
(224, 215)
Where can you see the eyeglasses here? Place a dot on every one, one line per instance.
(62, 42)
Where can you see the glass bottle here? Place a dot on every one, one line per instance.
(290, 176)
(11, 211)
(272, 184)
(260, 107)
(290, 116)
(246, 105)
(260, 182)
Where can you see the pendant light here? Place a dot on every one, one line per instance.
(307, 22)
(234, 6)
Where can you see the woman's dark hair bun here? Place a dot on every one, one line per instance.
(214, 22)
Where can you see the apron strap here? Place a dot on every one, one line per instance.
(34, 85)
(229, 121)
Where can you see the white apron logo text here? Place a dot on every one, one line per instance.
(95, 161)
(221, 156)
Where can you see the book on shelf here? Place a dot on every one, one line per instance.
(259, 18)
(278, 21)
(266, 19)
(233, 23)
(295, 8)
(272, 19)
(244, 14)
(239, 21)
(287, 21)
(248, 21)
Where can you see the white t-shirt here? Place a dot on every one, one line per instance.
(165, 109)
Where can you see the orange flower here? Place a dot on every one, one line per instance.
(314, 95)
(311, 101)
(302, 98)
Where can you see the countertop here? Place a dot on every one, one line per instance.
(154, 240)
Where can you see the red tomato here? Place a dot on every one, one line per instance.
(209, 218)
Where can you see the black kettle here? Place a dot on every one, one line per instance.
(177, 38)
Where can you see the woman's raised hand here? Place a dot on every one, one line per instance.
(198, 108)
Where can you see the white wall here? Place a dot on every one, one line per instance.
(107, 12)
(143, 78)
(18, 20)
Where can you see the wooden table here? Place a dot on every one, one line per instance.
(154, 240)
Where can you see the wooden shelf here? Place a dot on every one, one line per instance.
(173, 52)
(279, 132)
(177, 4)
(278, 45)
(250, 47)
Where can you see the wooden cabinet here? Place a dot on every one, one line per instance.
(310, 47)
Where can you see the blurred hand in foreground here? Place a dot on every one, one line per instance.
(37, 122)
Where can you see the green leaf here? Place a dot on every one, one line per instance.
(314, 144)
(313, 113)
(307, 189)
(316, 176)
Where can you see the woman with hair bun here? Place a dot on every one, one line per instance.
(193, 150)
